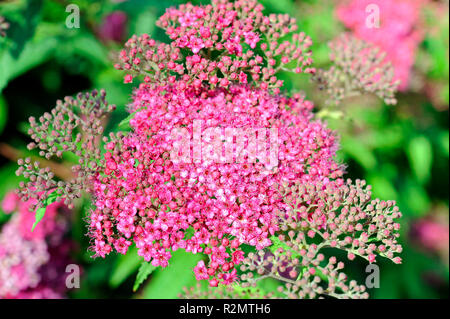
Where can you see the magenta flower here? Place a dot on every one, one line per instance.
(151, 200)
(113, 27)
(32, 264)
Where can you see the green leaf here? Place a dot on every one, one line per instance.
(420, 155)
(415, 199)
(189, 233)
(53, 197)
(3, 113)
(169, 282)
(383, 188)
(277, 243)
(125, 266)
(125, 124)
(443, 140)
(40, 212)
(359, 152)
(9, 178)
(144, 22)
(23, 52)
(39, 215)
(144, 271)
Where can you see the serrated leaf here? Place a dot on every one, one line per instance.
(144, 271)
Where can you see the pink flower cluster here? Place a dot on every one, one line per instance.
(398, 33)
(218, 45)
(146, 198)
(32, 264)
(432, 234)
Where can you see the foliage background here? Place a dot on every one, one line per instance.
(402, 150)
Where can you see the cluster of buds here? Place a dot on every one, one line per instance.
(3, 26)
(397, 31)
(339, 215)
(299, 277)
(358, 68)
(304, 274)
(74, 126)
(343, 215)
(218, 45)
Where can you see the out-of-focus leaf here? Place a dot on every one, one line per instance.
(415, 264)
(281, 6)
(444, 142)
(112, 81)
(144, 271)
(382, 187)
(86, 45)
(420, 155)
(125, 266)
(9, 181)
(3, 113)
(415, 198)
(144, 23)
(21, 53)
(389, 285)
(436, 44)
(358, 151)
(445, 95)
(137, 6)
(32, 55)
(169, 282)
(384, 138)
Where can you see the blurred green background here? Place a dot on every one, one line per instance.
(402, 150)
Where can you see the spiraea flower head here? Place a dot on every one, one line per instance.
(148, 197)
(218, 45)
(217, 161)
